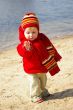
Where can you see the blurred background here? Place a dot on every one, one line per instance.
(55, 16)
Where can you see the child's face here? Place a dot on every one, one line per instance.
(31, 33)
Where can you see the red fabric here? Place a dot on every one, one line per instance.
(32, 60)
(31, 25)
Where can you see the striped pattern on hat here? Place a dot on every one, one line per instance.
(30, 20)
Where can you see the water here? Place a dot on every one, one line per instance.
(55, 16)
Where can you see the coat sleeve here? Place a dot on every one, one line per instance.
(23, 52)
(50, 47)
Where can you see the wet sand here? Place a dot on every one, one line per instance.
(14, 92)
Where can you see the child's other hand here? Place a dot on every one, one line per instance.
(27, 45)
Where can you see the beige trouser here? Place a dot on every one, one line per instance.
(37, 83)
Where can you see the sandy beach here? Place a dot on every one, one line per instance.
(14, 92)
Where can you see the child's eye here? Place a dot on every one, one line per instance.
(33, 32)
(28, 32)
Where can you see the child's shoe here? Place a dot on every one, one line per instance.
(37, 99)
(45, 94)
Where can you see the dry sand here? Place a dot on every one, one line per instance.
(14, 92)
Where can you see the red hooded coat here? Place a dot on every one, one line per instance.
(34, 61)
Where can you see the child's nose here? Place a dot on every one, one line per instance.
(31, 35)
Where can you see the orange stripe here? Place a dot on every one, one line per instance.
(50, 62)
(51, 51)
(29, 19)
(25, 23)
(49, 65)
(52, 67)
(29, 22)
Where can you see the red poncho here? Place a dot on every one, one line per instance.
(41, 58)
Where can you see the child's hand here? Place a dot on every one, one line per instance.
(27, 45)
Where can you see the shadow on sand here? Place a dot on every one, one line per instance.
(61, 95)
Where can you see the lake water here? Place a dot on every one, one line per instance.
(55, 16)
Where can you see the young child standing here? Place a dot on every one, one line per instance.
(39, 56)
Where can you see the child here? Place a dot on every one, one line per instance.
(39, 56)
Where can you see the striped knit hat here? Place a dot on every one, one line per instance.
(30, 20)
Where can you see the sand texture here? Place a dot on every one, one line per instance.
(14, 91)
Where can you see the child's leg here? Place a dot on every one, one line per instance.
(35, 88)
(43, 80)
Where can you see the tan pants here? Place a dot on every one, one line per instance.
(37, 83)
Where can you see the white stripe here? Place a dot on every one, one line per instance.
(26, 16)
(46, 59)
(49, 47)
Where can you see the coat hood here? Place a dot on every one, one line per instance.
(21, 34)
(22, 37)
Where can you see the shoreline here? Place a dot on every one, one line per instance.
(52, 39)
(14, 92)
